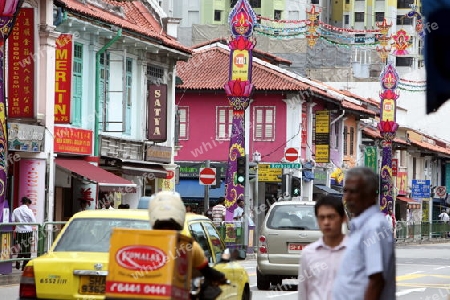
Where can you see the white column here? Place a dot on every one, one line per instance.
(307, 187)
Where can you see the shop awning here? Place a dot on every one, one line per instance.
(406, 199)
(134, 167)
(106, 181)
(327, 190)
(191, 188)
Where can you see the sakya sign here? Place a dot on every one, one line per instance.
(63, 78)
(157, 113)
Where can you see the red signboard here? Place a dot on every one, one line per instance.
(157, 113)
(63, 78)
(73, 140)
(304, 128)
(402, 180)
(207, 176)
(394, 166)
(291, 154)
(21, 60)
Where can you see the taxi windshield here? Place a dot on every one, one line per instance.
(93, 235)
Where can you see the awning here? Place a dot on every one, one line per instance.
(412, 204)
(134, 167)
(327, 190)
(106, 181)
(191, 188)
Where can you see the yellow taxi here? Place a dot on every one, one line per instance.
(76, 265)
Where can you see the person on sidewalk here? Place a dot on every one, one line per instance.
(320, 260)
(218, 212)
(367, 269)
(392, 221)
(24, 233)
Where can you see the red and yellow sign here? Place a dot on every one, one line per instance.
(73, 140)
(388, 110)
(402, 180)
(146, 264)
(63, 78)
(240, 65)
(21, 60)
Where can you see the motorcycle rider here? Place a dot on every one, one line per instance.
(167, 212)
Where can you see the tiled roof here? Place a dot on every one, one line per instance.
(256, 51)
(208, 70)
(373, 133)
(353, 106)
(137, 18)
(431, 147)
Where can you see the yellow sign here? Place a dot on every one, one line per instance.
(146, 264)
(388, 110)
(267, 174)
(322, 153)
(240, 65)
(323, 121)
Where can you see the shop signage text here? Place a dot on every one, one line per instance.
(63, 78)
(159, 154)
(27, 138)
(73, 140)
(322, 136)
(192, 170)
(157, 113)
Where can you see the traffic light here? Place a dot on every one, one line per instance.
(296, 186)
(240, 172)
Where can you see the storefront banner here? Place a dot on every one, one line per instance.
(32, 185)
(26, 138)
(21, 63)
(63, 78)
(72, 140)
(157, 113)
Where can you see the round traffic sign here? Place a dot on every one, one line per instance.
(170, 174)
(441, 191)
(291, 154)
(207, 176)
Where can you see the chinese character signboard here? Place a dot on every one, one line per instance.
(322, 136)
(21, 61)
(32, 185)
(157, 113)
(63, 78)
(304, 129)
(73, 140)
(27, 138)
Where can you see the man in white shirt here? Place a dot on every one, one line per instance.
(444, 216)
(218, 212)
(320, 260)
(24, 233)
(238, 214)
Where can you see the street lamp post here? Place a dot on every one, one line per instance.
(8, 14)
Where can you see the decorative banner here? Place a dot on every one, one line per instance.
(72, 140)
(401, 42)
(84, 192)
(304, 129)
(419, 22)
(371, 158)
(32, 185)
(242, 20)
(21, 63)
(63, 78)
(402, 183)
(157, 113)
(388, 127)
(322, 136)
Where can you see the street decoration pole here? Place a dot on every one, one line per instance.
(389, 80)
(242, 20)
(8, 14)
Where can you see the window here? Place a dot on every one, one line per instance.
(345, 140)
(199, 235)
(224, 121)
(77, 84)
(253, 3)
(404, 20)
(289, 217)
(264, 123)
(104, 89)
(359, 17)
(183, 116)
(336, 135)
(404, 3)
(277, 14)
(214, 237)
(379, 16)
(155, 74)
(352, 139)
(217, 15)
(314, 1)
(346, 19)
(403, 61)
(129, 75)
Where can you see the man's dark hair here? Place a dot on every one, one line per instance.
(26, 200)
(221, 200)
(332, 201)
(239, 200)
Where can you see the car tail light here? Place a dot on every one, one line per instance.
(262, 244)
(262, 239)
(27, 284)
(262, 249)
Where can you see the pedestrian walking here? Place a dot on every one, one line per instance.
(367, 269)
(24, 233)
(390, 217)
(218, 212)
(320, 260)
(443, 216)
(238, 214)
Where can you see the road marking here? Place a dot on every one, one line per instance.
(416, 272)
(406, 292)
(440, 268)
(281, 295)
(428, 286)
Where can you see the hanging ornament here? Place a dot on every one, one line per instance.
(401, 42)
(419, 21)
(312, 25)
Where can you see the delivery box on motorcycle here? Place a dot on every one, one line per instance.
(149, 264)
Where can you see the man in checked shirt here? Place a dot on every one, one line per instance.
(320, 260)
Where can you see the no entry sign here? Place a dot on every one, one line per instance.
(207, 176)
(291, 154)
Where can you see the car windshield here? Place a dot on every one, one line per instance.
(92, 235)
(297, 217)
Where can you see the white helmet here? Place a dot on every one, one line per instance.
(166, 206)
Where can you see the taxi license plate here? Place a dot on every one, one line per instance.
(295, 247)
(92, 285)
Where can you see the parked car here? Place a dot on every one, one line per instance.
(76, 265)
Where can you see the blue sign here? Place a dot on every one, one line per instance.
(421, 189)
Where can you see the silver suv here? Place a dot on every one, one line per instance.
(288, 227)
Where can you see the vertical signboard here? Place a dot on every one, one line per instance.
(32, 185)
(304, 128)
(157, 113)
(322, 136)
(21, 61)
(63, 78)
(402, 180)
(394, 166)
(371, 158)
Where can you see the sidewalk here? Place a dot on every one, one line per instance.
(13, 278)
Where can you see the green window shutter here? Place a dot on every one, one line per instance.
(129, 75)
(77, 85)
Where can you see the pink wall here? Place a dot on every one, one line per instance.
(202, 143)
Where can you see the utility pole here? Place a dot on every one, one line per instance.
(206, 198)
(247, 202)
